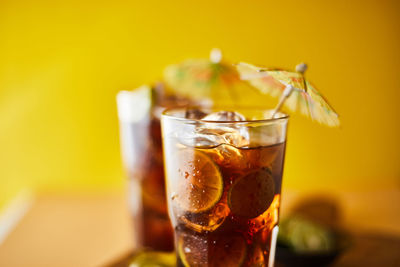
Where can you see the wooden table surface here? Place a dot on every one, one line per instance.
(94, 230)
(70, 230)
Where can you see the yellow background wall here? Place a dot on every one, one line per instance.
(61, 65)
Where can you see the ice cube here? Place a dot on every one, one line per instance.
(237, 138)
(230, 156)
(265, 135)
(201, 137)
(237, 135)
(214, 135)
(194, 114)
(224, 116)
(209, 134)
(208, 221)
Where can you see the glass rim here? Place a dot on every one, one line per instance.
(166, 114)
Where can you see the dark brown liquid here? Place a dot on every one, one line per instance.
(235, 231)
(152, 228)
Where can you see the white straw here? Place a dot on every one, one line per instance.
(300, 68)
(286, 93)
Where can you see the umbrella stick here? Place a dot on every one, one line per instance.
(286, 93)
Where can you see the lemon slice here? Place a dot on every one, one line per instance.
(193, 250)
(252, 194)
(230, 250)
(209, 221)
(198, 184)
(215, 250)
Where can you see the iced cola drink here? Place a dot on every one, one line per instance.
(223, 175)
(140, 133)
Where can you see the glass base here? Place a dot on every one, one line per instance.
(149, 258)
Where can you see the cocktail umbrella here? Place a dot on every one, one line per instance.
(212, 80)
(295, 92)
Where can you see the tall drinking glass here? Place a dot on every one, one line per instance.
(223, 178)
(139, 114)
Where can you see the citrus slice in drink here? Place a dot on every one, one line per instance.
(215, 251)
(193, 250)
(206, 222)
(198, 184)
(229, 250)
(252, 194)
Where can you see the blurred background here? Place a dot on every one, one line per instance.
(62, 63)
